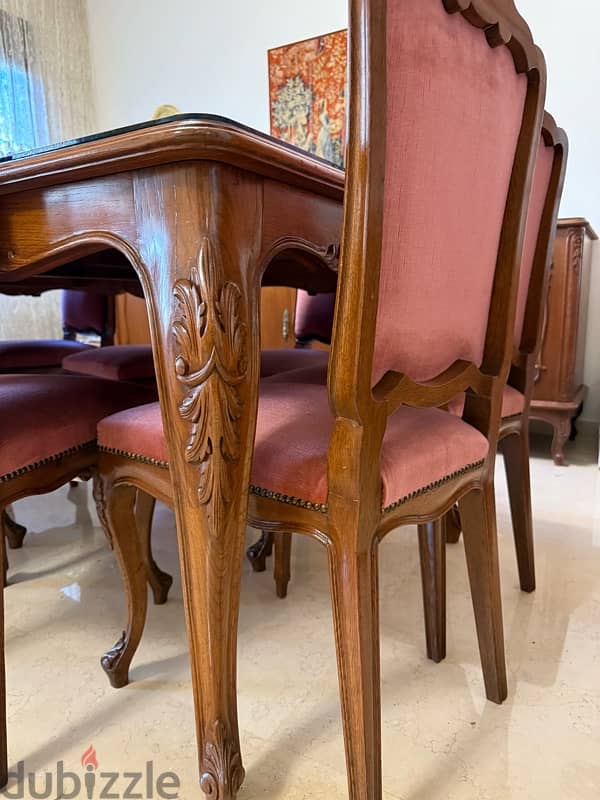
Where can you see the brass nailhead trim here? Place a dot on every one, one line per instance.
(134, 456)
(435, 485)
(51, 459)
(323, 508)
(290, 500)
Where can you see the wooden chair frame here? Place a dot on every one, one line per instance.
(352, 524)
(513, 437)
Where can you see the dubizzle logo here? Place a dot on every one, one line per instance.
(95, 785)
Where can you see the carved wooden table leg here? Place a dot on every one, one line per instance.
(200, 233)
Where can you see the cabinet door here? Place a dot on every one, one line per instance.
(277, 305)
(276, 318)
(131, 320)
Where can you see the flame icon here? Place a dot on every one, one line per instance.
(89, 758)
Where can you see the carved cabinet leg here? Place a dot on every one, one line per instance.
(200, 240)
(562, 431)
(258, 552)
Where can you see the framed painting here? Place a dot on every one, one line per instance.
(307, 91)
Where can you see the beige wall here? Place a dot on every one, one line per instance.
(206, 56)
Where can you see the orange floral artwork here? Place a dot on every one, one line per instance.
(307, 89)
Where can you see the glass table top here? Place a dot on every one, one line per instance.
(95, 137)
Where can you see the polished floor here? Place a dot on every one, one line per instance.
(441, 739)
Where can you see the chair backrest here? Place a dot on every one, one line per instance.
(88, 312)
(540, 233)
(445, 111)
(314, 317)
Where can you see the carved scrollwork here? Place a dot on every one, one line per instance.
(221, 770)
(211, 364)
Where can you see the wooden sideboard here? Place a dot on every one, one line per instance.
(278, 305)
(559, 390)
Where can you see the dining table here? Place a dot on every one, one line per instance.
(194, 212)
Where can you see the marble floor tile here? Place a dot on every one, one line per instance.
(441, 739)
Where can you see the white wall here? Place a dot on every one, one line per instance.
(198, 55)
(211, 56)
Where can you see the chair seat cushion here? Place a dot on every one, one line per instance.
(274, 362)
(421, 446)
(513, 402)
(42, 416)
(124, 362)
(37, 353)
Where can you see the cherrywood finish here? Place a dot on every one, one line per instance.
(199, 210)
(278, 305)
(131, 320)
(352, 524)
(559, 391)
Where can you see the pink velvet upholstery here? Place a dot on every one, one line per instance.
(421, 446)
(454, 111)
(126, 362)
(43, 415)
(314, 316)
(539, 192)
(315, 373)
(513, 402)
(274, 362)
(36, 353)
(84, 311)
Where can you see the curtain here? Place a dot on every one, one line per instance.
(46, 90)
(23, 115)
(46, 96)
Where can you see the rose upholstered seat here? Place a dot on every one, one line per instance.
(46, 420)
(82, 312)
(54, 414)
(445, 110)
(24, 355)
(294, 426)
(130, 362)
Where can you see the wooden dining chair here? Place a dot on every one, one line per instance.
(54, 441)
(513, 436)
(442, 145)
(313, 322)
(540, 233)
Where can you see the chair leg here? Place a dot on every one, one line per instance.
(14, 532)
(119, 514)
(515, 449)
(452, 525)
(160, 582)
(432, 550)
(355, 599)
(258, 552)
(282, 562)
(478, 516)
(3, 730)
